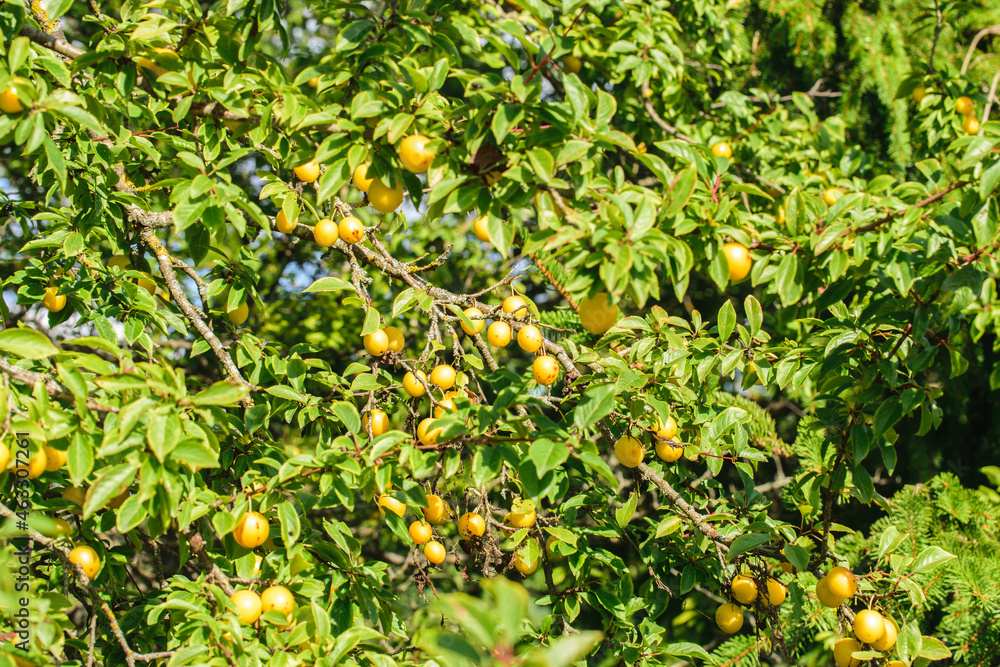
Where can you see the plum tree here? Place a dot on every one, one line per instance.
(746, 237)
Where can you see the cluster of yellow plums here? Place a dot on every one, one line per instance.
(597, 314)
(470, 526)
(630, 451)
(252, 531)
(50, 459)
(745, 590)
(963, 105)
(250, 606)
(870, 627)
(832, 590)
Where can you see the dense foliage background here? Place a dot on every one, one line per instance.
(838, 406)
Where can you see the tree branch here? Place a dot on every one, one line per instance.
(57, 44)
(51, 386)
(84, 583)
(991, 30)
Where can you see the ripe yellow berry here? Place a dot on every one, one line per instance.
(515, 305)
(572, 64)
(499, 334)
(414, 153)
(521, 563)
(435, 552)
(361, 179)
(377, 343)
(827, 598)
(667, 429)
(529, 338)
(437, 511)
(887, 640)
(252, 530)
(471, 525)
(10, 101)
(278, 598)
(869, 626)
(239, 314)
(918, 94)
(598, 314)
(413, 386)
(396, 340)
(53, 301)
(744, 589)
(54, 458)
(307, 172)
(87, 559)
(831, 195)
(669, 452)
(248, 606)
(376, 421)
(389, 503)
(722, 149)
(964, 106)
(480, 229)
(427, 434)
(629, 451)
(776, 592)
(841, 582)
(520, 520)
(443, 376)
(35, 465)
(351, 230)
(477, 324)
(383, 198)
(729, 618)
(325, 233)
(545, 370)
(283, 225)
(970, 125)
(738, 258)
(842, 652)
(420, 532)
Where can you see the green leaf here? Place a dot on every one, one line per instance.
(195, 454)
(755, 316)
(163, 432)
(130, 514)
(288, 517)
(909, 642)
(598, 401)
(348, 415)
(221, 393)
(681, 191)
(727, 320)
(329, 284)
(797, 556)
(18, 52)
(287, 393)
(933, 648)
(989, 180)
(547, 455)
(506, 116)
(27, 343)
(373, 322)
(625, 513)
(564, 651)
(930, 559)
(685, 650)
(112, 482)
(746, 542)
(600, 466)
